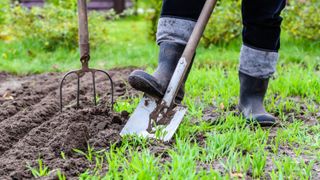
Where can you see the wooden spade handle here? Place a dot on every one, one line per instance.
(198, 30)
(188, 53)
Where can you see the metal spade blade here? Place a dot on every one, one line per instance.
(142, 124)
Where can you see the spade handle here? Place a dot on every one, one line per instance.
(186, 59)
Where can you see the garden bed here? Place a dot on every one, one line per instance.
(32, 126)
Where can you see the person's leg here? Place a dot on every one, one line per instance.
(178, 18)
(258, 56)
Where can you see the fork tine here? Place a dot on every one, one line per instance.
(61, 86)
(94, 87)
(111, 84)
(79, 73)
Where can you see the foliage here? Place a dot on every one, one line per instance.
(4, 6)
(53, 26)
(60, 175)
(127, 105)
(302, 19)
(153, 16)
(135, 6)
(91, 153)
(70, 4)
(40, 171)
(224, 24)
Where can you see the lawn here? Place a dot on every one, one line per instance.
(213, 142)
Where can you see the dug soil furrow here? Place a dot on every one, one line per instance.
(40, 130)
(25, 93)
(15, 127)
(62, 133)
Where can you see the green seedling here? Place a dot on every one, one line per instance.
(90, 154)
(126, 105)
(236, 163)
(291, 168)
(60, 175)
(41, 171)
(98, 98)
(63, 155)
(143, 164)
(258, 163)
(159, 131)
(99, 164)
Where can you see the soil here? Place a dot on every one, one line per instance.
(32, 126)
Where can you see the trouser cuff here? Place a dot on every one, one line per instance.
(257, 63)
(175, 30)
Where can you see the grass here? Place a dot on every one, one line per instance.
(41, 171)
(222, 147)
(90, 153)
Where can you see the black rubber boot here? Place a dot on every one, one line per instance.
(156, 84)
(252, 93)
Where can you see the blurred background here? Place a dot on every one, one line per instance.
(41, 35)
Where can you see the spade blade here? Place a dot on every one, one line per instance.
(140, 122)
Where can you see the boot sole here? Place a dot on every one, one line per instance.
(262, 124)
(260, 120)
(142, 84)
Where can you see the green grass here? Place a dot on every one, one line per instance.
(128, 45)
(41, 171)
(229, 148)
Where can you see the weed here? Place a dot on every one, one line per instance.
(291, 168)
(63, 155)
(126, 105)
(60, 175)
(160, 131)
(41, 171)
(99, 164)
(90, 154)
(258, 163)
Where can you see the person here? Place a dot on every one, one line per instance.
(258, 56)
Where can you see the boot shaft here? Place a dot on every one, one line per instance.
(252, 93)
(169, 56)
(251, 86)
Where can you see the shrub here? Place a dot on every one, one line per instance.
(4, 6)
(153, 16)
(69, 4)
(225, 23)
(302, 19)
(53, 26)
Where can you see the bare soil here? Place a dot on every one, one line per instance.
(32, 126)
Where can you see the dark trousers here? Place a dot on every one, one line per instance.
(261, 19)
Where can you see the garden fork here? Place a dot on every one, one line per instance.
(84, 56)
